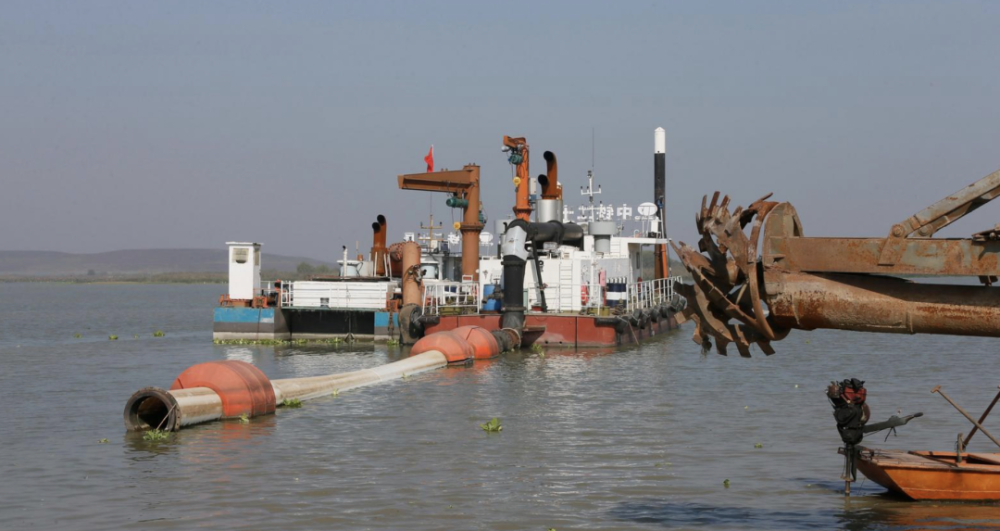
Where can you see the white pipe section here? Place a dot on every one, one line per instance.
(196, 405)
(317, 386)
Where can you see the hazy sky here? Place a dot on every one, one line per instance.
(187, 124)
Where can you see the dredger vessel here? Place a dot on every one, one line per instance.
(595, 276)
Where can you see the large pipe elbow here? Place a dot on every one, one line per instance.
(382, 229)
(551, 189)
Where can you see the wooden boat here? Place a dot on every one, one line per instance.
(925, 475)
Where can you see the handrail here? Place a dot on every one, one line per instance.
(465, 297)
(650, 293)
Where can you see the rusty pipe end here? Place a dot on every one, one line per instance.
(550, 186)
(936, 389)
(381, 220)
(151, 408)
(376, 227)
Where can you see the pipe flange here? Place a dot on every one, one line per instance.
(152, 408)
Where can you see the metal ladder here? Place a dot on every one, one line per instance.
(566, 286)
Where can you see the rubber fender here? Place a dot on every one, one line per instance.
(665, 311)
(483, 342)
(654, 315)
(455, 348)
(620, 324)
(243, 388)
(411, 329)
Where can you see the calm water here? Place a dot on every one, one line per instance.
(638, 438)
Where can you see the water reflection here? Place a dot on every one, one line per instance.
(688, 515)
(881, 512)
(864, 514)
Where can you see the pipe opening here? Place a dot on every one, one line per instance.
(150, 408)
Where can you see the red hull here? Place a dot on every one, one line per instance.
(557, 330)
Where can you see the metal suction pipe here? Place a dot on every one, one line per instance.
(554, 231)
(515, 256)
(230, 389)
(411, 273)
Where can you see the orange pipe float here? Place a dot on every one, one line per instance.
(482, 341)
(454, 347)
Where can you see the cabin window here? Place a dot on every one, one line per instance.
(240, 255)
(324, 302)
(256, 257)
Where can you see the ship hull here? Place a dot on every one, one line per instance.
(564, 330)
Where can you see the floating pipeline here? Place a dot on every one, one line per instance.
(230, 389)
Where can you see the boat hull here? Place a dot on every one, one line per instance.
(933, 475)
(563, 330)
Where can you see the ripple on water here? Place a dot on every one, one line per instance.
(641, 438)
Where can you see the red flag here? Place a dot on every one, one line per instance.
(429, 159)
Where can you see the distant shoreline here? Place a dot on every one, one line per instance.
(138, 278)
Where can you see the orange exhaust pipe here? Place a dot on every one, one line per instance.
(378, 245)
(551, 189)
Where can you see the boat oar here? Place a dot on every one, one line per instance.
(968, 416)
(965, 443)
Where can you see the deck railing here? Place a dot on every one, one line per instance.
(451, 296)
(651, 293)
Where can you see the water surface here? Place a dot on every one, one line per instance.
(634, 438)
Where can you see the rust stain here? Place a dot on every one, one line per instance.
(840, 283)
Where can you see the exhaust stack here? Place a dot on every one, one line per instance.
(550, 206)
(378, 245)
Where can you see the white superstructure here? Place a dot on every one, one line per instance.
(244, 270)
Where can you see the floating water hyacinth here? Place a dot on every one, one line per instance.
(158, 333)
(292, 402)
(112, 338)
(492, 426)
(156, 435)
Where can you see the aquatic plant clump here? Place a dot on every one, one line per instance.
(112, 338)
(493, 426)
(279, 342)
(158, 333)
(292, 402)
(155, 435)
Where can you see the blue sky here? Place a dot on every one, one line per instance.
(187, 124)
